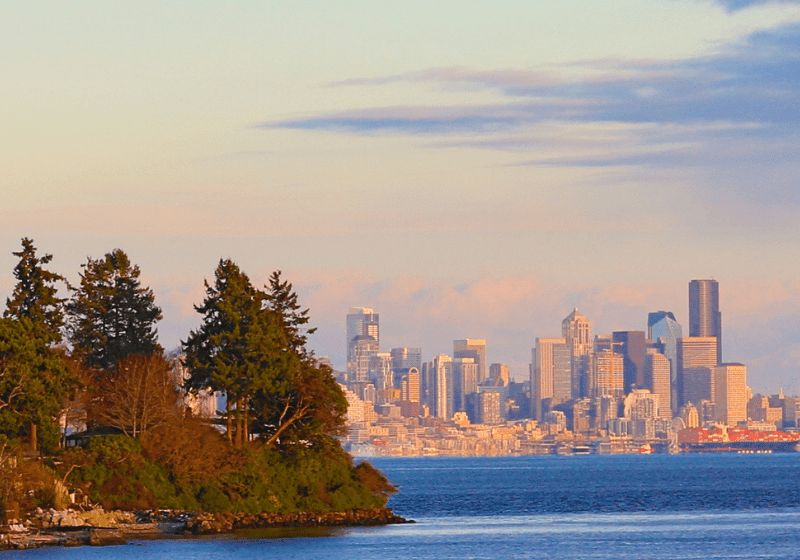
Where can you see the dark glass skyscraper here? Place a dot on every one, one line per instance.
(663, 328)
(705, 318)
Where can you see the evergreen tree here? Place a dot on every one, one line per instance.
(250, 347)
(35, 381)
(34, 296)
(219, 354)
(283, 300)
(111, 315)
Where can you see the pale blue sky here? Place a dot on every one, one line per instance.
(468, 169)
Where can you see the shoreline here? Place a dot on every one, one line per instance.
(167, 524)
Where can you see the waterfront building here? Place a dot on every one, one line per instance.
(705, 319)
(698, 356)
(577, 332)
(662, 328)
(472, 348)
(730, 388)
(550, 373)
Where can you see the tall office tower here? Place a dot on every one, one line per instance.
(663, 328)
(361, 321)
(427, 386)
(443, 386)
(465, 381)
(608, 373)
(698, 357)
(405, 358)
(380, 371)
(657, 371)
(500, 375)
(705, 318)
(577, 332)
(551, 373)
(472, 348)
(730, 387)
(410, 385)
(362, 349)
(632, 347)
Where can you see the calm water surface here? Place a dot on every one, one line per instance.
(623, 506)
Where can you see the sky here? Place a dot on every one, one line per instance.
(467, 169)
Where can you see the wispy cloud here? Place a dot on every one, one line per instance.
(732, 6)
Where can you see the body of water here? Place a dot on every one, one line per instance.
(621, 506)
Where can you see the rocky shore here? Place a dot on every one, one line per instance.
(100, 528)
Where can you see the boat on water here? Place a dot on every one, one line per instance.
(646, 449)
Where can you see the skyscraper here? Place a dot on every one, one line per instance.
(657, 370)
(550, 373)
(705, 318)
(443, 386)
(698, 360)
(361, 322)
(472, 348)
(632, 347)
(730, 387)
(577, 332)
(664, 329)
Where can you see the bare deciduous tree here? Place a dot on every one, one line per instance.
(140, 394)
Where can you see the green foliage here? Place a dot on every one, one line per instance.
(120, 472)
(34, 296)
(111, 315)
(251, 347)
(34, 382)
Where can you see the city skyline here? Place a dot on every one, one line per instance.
(467, 171)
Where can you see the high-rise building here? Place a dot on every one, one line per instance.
(632, 347)
(380, 371)
(551, 373)
(362, 348)
(405, 358)
(608, 373)
(698, 357)
(657, 370)
(361, 322)
(730, 387)
(465, 381)
(443, 386)
(705, 318)
(472, 348)
(577, 332)
(499, 374)
(662, 328)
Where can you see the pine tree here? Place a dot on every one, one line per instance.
(250, 347)
(111, 315)
(34, 295)
(35, 381)
(283, 300)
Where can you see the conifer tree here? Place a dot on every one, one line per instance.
(250, 347)
(35, 294)
(111, 315)
(34, 382)
(283, 300)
